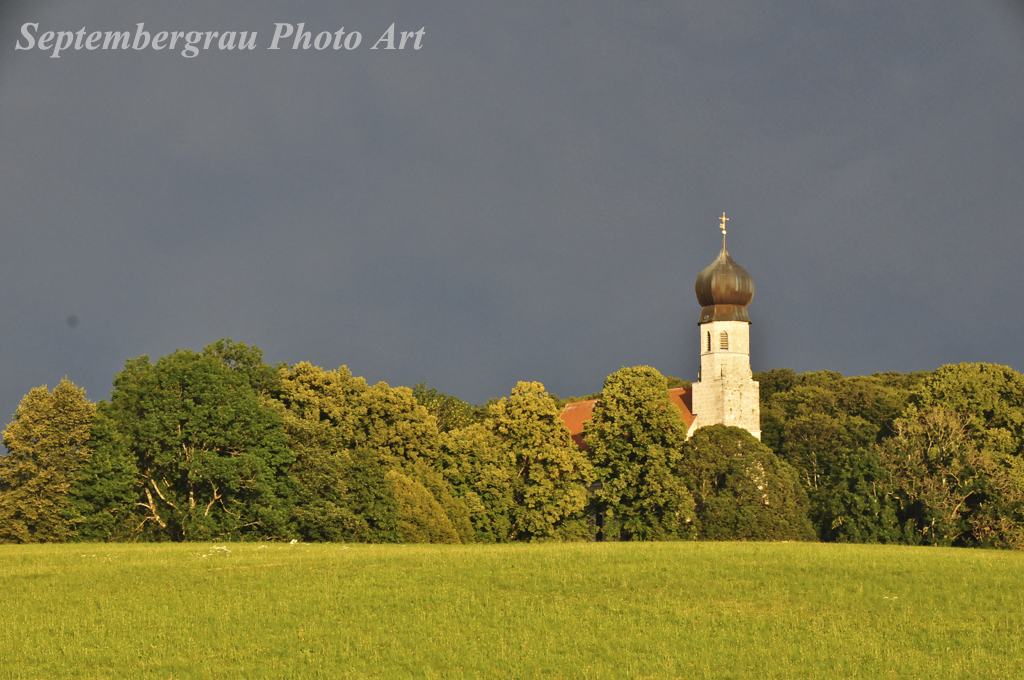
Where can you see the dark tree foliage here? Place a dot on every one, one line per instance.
(406, 436)
(924, 458)
(372, 498)
(480, 472)
(323, 509)
(103, 496)
(347, 436)
(560, 402)
(904, 382)
(775, 380)
(826, 426)
(950, 489)
(319, 423)
(449, 412)
(674, 382)
(855, 503)
(742, 490)
(636, 437)
(247, 360)
(219, 445)
(213, 463)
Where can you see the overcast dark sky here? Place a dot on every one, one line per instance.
(530, 196)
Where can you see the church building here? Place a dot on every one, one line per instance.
(726, 392)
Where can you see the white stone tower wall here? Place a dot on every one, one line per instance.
(726, 393)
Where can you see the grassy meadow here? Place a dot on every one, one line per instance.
(665, 610)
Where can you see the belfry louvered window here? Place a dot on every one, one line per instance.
(723, 340)
(709, 341)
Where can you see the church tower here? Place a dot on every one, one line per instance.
(726, 392)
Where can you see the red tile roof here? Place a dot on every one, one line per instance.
(575, 414)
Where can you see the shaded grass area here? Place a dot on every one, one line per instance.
(555, 610)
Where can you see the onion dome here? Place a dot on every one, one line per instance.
(724, 289)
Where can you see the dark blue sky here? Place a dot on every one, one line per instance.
(530, 196)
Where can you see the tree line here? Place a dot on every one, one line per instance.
(219, 445)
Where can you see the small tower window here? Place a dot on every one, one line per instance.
(723, 340)
(709, 341)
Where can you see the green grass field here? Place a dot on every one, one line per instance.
(518, 611)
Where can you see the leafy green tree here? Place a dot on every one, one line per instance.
(561, 402)
(742, 490)
(399, 427)
(248, 361)
(323, 508)
(405, 434)
(372, 497)
(674, 383)
(636, 436)
(930, 457)
(826, 426)
(320, 411)
(480, 473)
(449, 412)
(421, 519)
(328, 416)
(213, 463)
(103, 496)
(865, 405)
(774, 381)
(47, 443)
(991, 397)
(551, 473)
(998, 521)
(950, 490)
(856, 502)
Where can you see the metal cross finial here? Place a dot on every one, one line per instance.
(724, 220)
